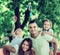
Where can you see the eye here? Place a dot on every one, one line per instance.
(30, 27)
(27, 45)
(34, 26)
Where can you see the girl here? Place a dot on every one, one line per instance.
(47, 25)
(26, 47)
(12, 48)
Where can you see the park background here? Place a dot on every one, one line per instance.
(40, 9)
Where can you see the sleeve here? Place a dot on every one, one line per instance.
(48, 37)
(16, 47)
(12, 42)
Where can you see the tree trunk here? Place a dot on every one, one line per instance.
(17, 14)
(27, 12)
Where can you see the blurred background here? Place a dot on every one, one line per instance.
(26, 10)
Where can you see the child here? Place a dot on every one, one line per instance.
(26, 47)
(13, 46)
(47, 25)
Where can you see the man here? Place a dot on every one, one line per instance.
(40, 42)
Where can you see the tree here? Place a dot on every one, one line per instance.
(17, 14)
(47, 9)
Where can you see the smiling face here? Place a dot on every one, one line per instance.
(46, 25)
(25, 46)
(19, 32)
(33, 28)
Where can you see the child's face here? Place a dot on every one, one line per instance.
(46, 25)
(25, 46)
(19, 32)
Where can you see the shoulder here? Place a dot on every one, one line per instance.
(48, 37)
(50, 30)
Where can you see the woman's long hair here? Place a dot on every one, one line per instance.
(20, 51)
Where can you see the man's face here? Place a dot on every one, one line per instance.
(33, 28)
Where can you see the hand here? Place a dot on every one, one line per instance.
(15, 18)
(42, 33)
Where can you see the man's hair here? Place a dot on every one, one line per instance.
(32, 21)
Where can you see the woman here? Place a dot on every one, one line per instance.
(25, 47)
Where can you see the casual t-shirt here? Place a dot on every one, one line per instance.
(16, 42)
(41, 44)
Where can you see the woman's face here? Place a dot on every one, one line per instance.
(25, 46)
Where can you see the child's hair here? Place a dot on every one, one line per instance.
(20, 51)
(19, 29)
(47, 21)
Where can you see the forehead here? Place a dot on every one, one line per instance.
(46, 22)
(25, 42)
(32, 24)
(19, 29)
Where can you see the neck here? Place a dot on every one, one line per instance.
(35, 35)
(20, 36)
(45, 30)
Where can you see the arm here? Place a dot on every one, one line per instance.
(54, 45)
(46, 32)
(12, 32)
(49, 33)
(33, 51)
(9, 48)
(13, 27)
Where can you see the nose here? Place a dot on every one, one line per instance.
(32, 29)
(24, 46)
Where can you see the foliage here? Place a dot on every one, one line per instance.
(47, 9)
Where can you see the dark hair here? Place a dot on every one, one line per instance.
(47, 21)
(32, 21)
(20, 51)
